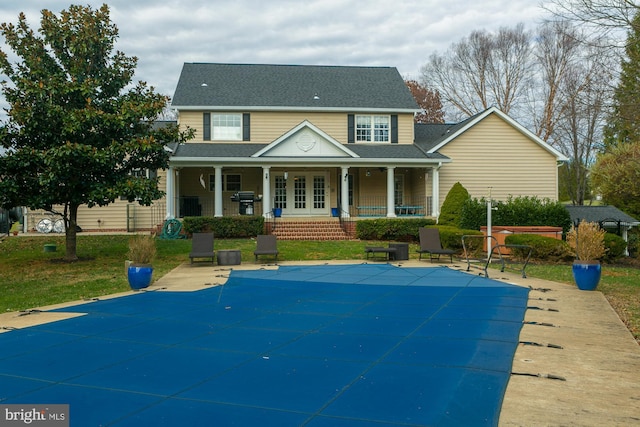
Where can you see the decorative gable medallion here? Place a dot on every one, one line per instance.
(306, 142)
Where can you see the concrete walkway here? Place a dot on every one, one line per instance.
(577, 364)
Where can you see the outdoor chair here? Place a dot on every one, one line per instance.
(430, 243)
(202, 247)
(266, 245)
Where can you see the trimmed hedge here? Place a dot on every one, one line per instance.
(542, 247)
(451, 237)
(225, 227)
(516, 211)
(398, 229)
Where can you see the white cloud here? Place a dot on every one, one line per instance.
(164, 35)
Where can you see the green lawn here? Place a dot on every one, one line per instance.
(30, 277)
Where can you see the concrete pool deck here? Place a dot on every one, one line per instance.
(577, 363)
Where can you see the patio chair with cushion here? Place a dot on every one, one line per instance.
(430, 243)
(202, 247)
(266, 245)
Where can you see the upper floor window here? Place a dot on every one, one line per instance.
(372, 128)
(227, 127)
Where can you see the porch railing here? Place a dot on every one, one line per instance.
(371, 206)
(376, 206)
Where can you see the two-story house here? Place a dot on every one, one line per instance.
(322, 141)
(306, 139)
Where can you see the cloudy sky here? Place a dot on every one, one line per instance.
(164, 35)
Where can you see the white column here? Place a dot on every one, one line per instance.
(435, 192)
(217, 203)
(266, 192)
(344, 201)
(170, 194)
(391, 208)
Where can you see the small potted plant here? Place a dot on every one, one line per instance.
(587, 242)
(142, 251)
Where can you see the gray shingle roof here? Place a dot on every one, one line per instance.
(295, 86)
(365, 151)
(600, 213)
(429, 135)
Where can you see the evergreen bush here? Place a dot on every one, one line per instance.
(543, 248)
(519, 211)
(451, 210)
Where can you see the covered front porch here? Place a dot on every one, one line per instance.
(303, 173)
(298, 191)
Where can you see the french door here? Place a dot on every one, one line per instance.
(301, 193)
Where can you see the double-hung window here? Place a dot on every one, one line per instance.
(372, 128)
(227, 126)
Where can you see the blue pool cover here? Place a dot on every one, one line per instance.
(332, 345)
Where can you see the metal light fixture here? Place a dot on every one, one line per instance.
(368, 172)
(286, 175)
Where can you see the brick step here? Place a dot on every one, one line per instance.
(312, 230)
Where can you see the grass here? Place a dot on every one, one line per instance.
(30, 277)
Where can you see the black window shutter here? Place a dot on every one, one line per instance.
(206, 126)
(394, 128)
(351, 129)
(246, 127)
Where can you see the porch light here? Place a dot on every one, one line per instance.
(286, 175)
(368, 172)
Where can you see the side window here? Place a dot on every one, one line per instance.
(230, 182)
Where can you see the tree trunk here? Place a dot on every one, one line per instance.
(71, 234)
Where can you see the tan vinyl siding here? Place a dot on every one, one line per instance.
(494, 154)
(113, 217)
(266, 127)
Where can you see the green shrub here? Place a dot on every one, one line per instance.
(398, 229)
(451, 237)
(515, 211)
(474, 214)
(225, 227)
(451, 210)
(542, 248)
(614, 246)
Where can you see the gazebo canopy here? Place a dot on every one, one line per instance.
(606, 216)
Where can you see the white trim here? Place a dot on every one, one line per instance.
(306, 125)
(303, 161)
(493, 110)
(248, 109)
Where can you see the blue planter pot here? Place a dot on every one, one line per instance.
(139, 276)
(587, 274)
(277, 212)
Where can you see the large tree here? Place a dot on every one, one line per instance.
(429, 102)
(616, 175)
(624, 122)
(604, 19)
(77, 133)
(481, 70)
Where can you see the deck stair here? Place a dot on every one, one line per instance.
(310, 229)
